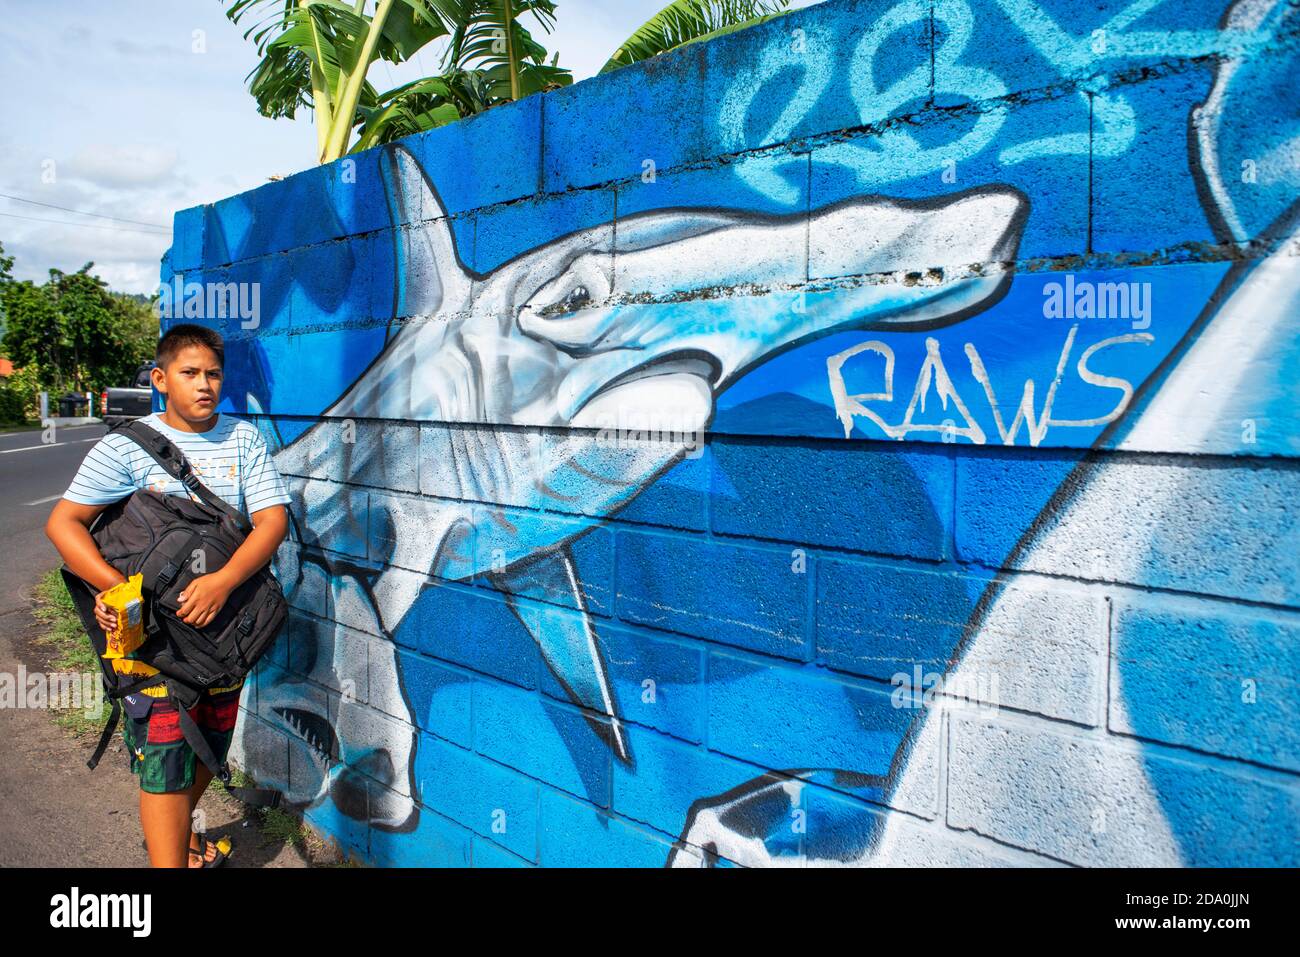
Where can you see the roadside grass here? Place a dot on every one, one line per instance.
(71, 648)
(277, 826)
(28, 426)
(37, 425)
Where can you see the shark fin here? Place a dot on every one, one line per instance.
(565, 637)
(265, 425)
(425, 258)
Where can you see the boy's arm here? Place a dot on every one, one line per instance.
(68, 528)
(102, 478)
(206, 595)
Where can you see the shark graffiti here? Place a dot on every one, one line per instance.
(546, 339)
(517, 370)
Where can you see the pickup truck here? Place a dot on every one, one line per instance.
(135, 402)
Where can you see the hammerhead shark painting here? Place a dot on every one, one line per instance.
(648, 318)
(539, 396)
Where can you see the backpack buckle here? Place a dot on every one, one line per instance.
(166, 574)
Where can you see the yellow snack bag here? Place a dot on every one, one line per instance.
(126, 599)
(129, 666)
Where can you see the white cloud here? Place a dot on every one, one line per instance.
(138, 125)
(130, 48)
(128, 261)
(127, 165)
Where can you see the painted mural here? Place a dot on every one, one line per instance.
(859, 479)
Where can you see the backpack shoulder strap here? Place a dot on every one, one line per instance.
(172, 459)
(256, 797)
(115, 712)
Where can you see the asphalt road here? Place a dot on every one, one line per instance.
(33, 476)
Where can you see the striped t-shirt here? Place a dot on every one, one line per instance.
(230, 458)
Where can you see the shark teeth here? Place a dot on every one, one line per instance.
(311, 729)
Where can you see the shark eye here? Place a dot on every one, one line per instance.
(574, 293)
(576, 299)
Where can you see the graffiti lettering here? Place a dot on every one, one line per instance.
(1113, 119)
(934, 375)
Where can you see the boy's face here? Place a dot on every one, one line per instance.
(191, 382)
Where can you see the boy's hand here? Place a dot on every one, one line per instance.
(203, 598)
(107, 617)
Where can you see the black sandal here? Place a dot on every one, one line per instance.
(223, 847)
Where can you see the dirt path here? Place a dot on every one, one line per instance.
(54, 811)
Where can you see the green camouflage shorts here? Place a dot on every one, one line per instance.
(156, 748)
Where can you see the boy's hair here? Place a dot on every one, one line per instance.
(186, 334)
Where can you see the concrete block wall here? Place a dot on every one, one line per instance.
(869, 438)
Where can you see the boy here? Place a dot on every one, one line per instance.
(230, 458)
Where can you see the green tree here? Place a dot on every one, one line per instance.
(490, 59)
(86, 321)
(316, 53)
(75, 332)
(19, 395)
(137, 325)
(6, 277)
(692, 21)
(33, 332)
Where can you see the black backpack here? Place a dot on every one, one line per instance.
(161, 536)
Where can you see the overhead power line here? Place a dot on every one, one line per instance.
(82, 212)
(63, 222)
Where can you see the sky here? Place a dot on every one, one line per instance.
(134, 109)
